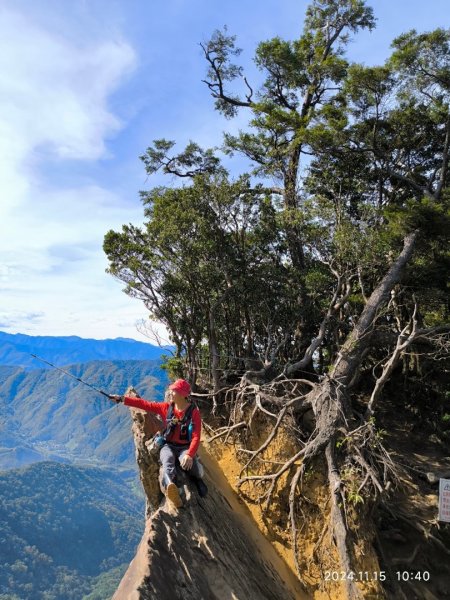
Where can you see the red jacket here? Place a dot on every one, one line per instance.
(161, 409)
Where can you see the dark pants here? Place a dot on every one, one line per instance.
(169, 455)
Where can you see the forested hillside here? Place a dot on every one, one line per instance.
(68, 531)
(61, 527)
(308, 295)
(47, 414)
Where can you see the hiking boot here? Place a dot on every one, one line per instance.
(173, 494)
(201, 487)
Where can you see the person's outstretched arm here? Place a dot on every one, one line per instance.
(158, 408)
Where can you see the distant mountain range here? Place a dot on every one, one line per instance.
(16, 349)
(48, 415)
(71, 518)
(45, 414)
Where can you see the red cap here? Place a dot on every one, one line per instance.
(181, 386)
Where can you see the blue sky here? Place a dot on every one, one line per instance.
(85, 86)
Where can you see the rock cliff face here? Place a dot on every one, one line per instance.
(210, 549)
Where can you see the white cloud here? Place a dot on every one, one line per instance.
(11, 318)
(54, 102)
(53, 98)
(54, 93)
(54, 265)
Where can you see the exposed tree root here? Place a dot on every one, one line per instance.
(359, 468)
(355, 458)
(415, 524)
(227, 430)
(292, 517)
(338, 522)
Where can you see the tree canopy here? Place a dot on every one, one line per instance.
(346, 159)
(306, 283)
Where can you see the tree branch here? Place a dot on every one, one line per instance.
(402, 343)
(419, 188)
(351, 352)
(444, 168)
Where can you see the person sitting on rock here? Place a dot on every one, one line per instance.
(180, 439)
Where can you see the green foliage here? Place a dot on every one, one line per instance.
(355, 498)
(341, 442)
(380, 434)
(325, 14)
(428, 271)
(61, 527)
(174, 366)
(306, 67)
(212, 242)
(427, 215)
(222, 46)
(423, 61)
(105, 585)
(192, 161)
(351, 480)
(257, 266)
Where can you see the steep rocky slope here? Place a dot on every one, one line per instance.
(210, 549)
(225, 547)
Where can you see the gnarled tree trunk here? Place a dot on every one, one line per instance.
(330, 403)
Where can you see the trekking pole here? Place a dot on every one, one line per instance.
(73, 376)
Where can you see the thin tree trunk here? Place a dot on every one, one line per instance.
(293, 235)
(213, 344)
(338, 522)
(349, 357)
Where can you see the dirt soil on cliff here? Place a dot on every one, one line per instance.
(405, 545)
(275, 528)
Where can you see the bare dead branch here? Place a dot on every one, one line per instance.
(334, 306)
(148, 329)
(361, 285)
(228, 430)
(255, 453)
(404, 340)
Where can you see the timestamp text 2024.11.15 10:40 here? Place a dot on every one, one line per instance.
(376, 575)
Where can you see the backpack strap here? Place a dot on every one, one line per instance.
(188, 414)
(170, 424)
(173, 421)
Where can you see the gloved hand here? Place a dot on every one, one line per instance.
(186, 462)
(116, 398)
